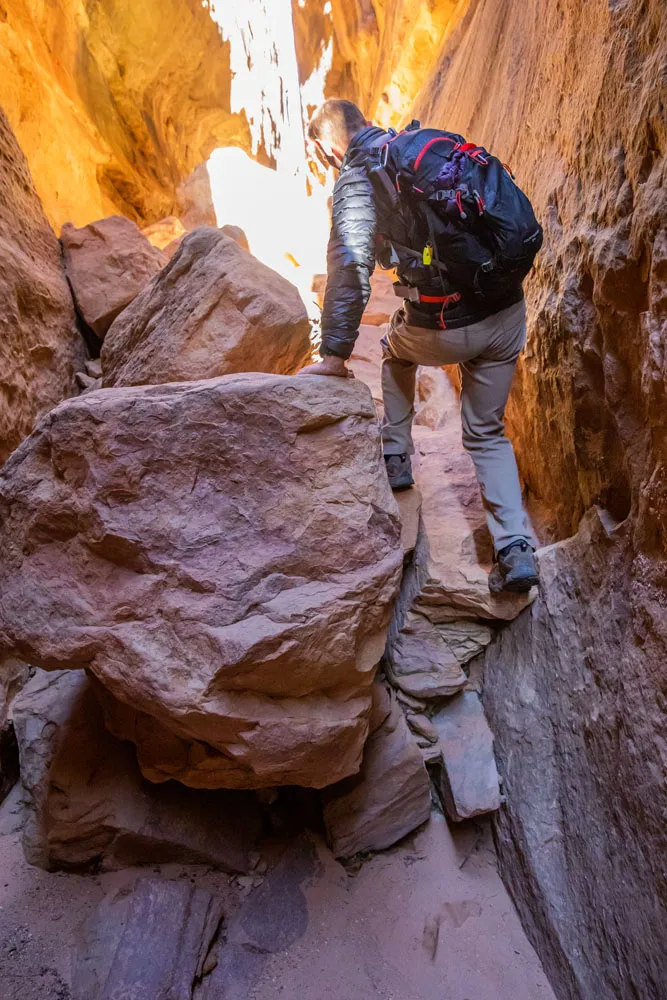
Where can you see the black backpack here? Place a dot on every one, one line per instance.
(459, 204)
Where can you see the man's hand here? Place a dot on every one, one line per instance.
(331, 364)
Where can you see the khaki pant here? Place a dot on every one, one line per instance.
(486, 353)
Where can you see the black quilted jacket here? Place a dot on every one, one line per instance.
(351, 261)
(351, 251)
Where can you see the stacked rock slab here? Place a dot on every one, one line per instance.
(108, 263)
(87, 801)
(213, 310)
(223, 556)
(152, 942)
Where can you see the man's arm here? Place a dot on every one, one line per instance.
(350, 263)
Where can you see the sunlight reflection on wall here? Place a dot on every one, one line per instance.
(286, 227)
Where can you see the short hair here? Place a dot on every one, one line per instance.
(336, 119)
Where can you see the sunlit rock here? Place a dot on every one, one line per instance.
(214, 310)
(107, 264)
(116, 105)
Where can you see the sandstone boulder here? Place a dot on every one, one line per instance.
(107, 263)
(40, 347)
(390, 796)
(214, 310)
(222, 555)
(570, 690)
(467, 780)
(88, 804)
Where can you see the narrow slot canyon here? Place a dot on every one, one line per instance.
(266, 729)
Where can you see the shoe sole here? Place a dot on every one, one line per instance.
(499, 585)
(519, 586)
(404, 484)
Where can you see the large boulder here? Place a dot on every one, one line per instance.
(214, 310)
(40, 347)
(87, 801)
(222, 555)
(108, 263)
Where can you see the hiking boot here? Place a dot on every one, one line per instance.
(399, 471)
(515, 571)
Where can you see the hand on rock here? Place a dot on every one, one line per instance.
(329, 365)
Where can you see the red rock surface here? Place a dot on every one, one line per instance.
(214, 310)
(390, 797)
(116, 103)
(107, 264)
(222, 555)
(40, 347)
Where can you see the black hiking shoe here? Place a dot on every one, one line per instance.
(516, 570)
(399, 471)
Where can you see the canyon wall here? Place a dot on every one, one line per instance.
(41, 348)
(572, 96)
(114, 102)
(382, 49)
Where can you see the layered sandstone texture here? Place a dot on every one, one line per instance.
(214, 310)
(108, 263)
(581, 119)
(40, 347)
(115, 103)
(570, 689)
(87, 804)
(223, 556)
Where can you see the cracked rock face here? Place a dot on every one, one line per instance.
(214, 310)
(222, 555)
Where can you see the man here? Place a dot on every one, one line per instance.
(438, 324)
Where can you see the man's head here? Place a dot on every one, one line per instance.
(332, 128)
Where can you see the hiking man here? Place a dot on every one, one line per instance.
(459, 307)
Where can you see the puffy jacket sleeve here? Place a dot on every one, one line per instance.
(350, 261)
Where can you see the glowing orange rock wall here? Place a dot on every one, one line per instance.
(114, 102)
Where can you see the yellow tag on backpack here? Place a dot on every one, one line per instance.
(427, 255)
